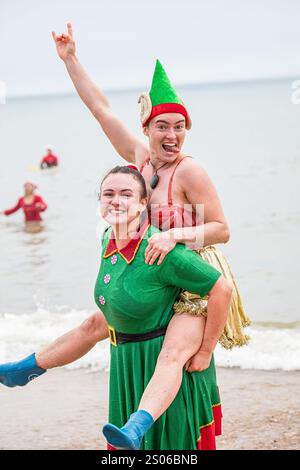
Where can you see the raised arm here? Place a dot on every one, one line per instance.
(126, 144)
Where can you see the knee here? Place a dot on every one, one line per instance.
(169, 356)
(227, 288)
(95, 327)
(224, 287)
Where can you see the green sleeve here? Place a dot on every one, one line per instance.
(186, 269)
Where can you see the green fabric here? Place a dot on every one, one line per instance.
(162, 90)
(139, 298)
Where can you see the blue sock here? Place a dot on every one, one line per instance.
(20, 372)
(131, 434)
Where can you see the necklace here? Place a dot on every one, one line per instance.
(155, 178)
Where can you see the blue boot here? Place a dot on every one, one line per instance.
(20, 372)
(130, 436)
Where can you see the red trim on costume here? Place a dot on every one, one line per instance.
(207, 440)
(208, 432)
(130, 250)
(167, 108)
(217, 411)
(111, 246)
(109, 447)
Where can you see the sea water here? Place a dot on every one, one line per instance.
(246, 136)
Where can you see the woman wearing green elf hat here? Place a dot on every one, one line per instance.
(174, 181)
(183, 201)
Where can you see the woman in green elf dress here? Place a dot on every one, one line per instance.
(137, 301)
(177, 408)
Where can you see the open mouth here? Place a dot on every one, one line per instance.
(170, 148)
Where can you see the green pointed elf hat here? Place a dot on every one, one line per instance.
(161, 99)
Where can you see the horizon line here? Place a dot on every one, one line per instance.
(138, 89)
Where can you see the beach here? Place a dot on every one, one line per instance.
(242, 93)
(66, 409)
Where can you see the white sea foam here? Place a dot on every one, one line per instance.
(270, 348)
(21, 335)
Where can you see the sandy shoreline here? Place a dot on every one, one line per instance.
(66, 410)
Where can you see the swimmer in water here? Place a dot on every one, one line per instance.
(31, 204)
(49, 160)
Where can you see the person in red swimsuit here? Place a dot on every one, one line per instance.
(50, 160)
(31, 204)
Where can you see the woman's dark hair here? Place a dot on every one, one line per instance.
(128, 170)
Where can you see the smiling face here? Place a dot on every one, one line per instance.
(166, 133)
(121, 200)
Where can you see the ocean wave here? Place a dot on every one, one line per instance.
(21, 335)
(270, 347)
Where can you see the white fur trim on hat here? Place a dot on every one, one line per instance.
(146, 107)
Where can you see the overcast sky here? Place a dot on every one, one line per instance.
(118, 41)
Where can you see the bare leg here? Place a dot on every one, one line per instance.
(74, 344)
(184, 344)
(183, 339)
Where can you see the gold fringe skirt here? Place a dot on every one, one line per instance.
(192, 304)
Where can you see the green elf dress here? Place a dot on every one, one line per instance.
(136, 299)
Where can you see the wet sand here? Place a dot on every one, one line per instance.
(66, 410)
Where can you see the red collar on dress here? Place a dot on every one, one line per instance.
(129, 251)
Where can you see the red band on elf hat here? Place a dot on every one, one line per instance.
(165, 108)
